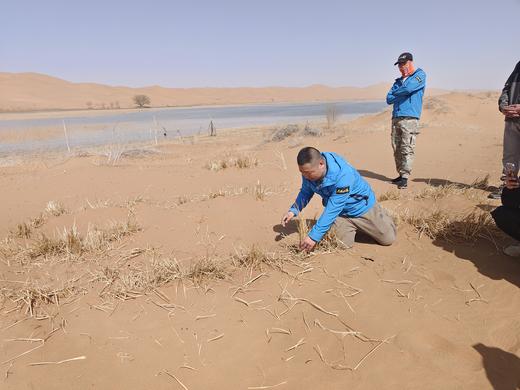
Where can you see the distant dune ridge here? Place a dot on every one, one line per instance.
(34, 91)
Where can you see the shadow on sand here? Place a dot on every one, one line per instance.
(373, 175)
(444, 182)
(502, 368)
(496, 266)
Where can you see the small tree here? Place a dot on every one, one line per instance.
(331, 115)
(141, 101)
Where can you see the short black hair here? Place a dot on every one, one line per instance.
(308, 155)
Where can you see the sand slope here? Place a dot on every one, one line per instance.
(33, 91)
(425, 313)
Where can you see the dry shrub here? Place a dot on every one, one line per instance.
(55, 208)
(284, 132)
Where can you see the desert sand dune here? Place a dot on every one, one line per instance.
(33, 91)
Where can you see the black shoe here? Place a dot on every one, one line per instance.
(403, 183)
(397, 180)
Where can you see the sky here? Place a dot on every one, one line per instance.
(460, 44)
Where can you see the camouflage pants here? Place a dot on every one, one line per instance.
(404, 133)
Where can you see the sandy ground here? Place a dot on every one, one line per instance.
(34, 91)
(140, 284)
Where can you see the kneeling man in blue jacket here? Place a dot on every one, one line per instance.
(349, 202)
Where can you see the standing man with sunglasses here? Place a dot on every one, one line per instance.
(406, 95)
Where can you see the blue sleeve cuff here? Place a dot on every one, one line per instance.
(315, 236)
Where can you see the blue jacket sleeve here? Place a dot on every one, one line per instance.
(414, 83)
(390, 97)
(333, 208)
(303, 198)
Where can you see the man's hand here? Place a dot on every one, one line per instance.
(307, 244)
(511, 111)
(512, 183)
(287, 217)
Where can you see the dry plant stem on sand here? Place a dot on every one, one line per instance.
(58, 362)
(175, 378)
(266, 387)
(338, 366)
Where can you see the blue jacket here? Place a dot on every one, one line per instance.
(343, 191)
(407, 96)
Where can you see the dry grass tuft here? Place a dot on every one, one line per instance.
(241, 161)
(438, 192)
(389, 195)
(182, 199)
(45, 247)
(23, 230)
(255, 258)
(127, 283)
(55, 208)
(330, 242)
(260, 191)
(38, 221)
(481, 183)
(450, 189)
(99, 239)
(70, 243)
(441, 225)
(32, 294)
(303, 226)
(207, 268)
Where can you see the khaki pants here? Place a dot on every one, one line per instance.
(375, 222)
(511, 152)
(404, 133)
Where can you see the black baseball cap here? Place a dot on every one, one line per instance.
(404, 58)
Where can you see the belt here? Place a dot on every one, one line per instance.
(405, 117)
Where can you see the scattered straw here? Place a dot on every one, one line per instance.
(300, 342)
(58, 362)
(266, 387)
(279, 330)
(215, 338)
(205, 316)
(174, 377)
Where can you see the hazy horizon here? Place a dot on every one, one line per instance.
(463, 45)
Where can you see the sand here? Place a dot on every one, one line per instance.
(136, 312)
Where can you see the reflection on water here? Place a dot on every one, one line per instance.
(145, 125)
